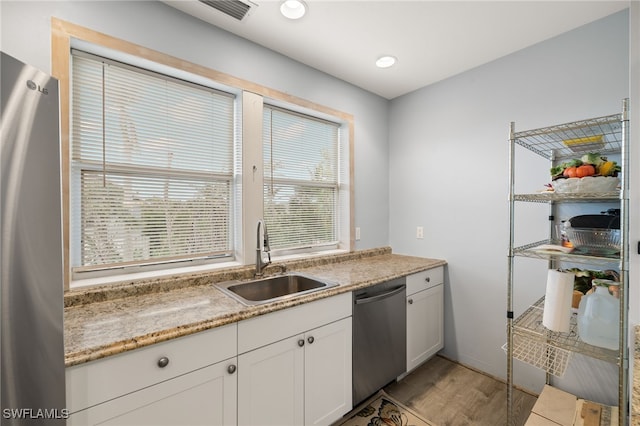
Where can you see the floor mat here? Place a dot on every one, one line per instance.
(381, 409)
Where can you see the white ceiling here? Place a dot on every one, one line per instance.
(432, 40)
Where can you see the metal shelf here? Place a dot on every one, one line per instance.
(548, 141)
(527, 339)
(530, 250)
(529, 325)
(587, 197)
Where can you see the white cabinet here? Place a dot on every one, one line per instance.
(327, 373)
(425, 316)
(271, 384)
(203, 397)
(304, 378)
(294, 368)
(189, 380)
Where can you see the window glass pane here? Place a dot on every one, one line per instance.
(152, 122)
(299, 148)
(132, 218)
(87, 115)
(300, 216)
(301, 179)
(153, 162)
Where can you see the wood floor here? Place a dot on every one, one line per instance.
(448, 394)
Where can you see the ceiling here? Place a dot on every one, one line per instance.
(432, 40)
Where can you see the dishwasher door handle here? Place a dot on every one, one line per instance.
(380, 296)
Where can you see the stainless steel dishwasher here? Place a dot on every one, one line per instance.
(379, 337)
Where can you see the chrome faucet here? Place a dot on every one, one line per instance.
(261, 264)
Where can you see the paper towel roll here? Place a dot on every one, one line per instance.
(557, 300)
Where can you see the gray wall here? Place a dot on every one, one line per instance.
(26, 35)
(449, 173)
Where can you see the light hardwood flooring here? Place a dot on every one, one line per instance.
(448, 394)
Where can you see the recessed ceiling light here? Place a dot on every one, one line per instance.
(293, 9)
(386, 61)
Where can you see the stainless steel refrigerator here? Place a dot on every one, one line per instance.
(31, 275)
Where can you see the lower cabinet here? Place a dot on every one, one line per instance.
(327, 373)
(271, 384)
(294, 368)
(425, 316)
(207, 396)
(304, 379)
(294, 365)
(190, 380)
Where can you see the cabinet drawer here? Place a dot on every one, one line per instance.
(424, 280)
(98, 381)
(260, 331)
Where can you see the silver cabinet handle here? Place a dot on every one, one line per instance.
(310, 339)
(301, 342)
(410, 301)
(231, 369)
(163, 362)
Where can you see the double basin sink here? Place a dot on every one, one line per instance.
(273, 289)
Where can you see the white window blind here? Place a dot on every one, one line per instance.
(152, 167)
(301, 179)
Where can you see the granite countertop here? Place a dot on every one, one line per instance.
(102, 323)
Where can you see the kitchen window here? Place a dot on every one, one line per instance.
(151, 168)
(301, 180)
(166, 174)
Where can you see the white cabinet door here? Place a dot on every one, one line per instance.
(202, 397)
(425, 319)
(271, 384)
(328, 393)
(305, 379)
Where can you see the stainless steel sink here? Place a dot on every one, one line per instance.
(271, 289)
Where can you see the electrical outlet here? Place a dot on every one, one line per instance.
(420, 232)
(357, 234)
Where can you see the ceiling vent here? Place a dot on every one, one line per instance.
(234, 8)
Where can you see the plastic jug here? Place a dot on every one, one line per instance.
(599, 317)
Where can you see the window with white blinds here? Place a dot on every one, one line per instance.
(301, 180)
(151, 167)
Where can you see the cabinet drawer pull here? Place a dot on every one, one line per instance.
(428, 279)
(231, 369)
(163, 362)
(410, 301)
(310, 339)
(301, 342)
